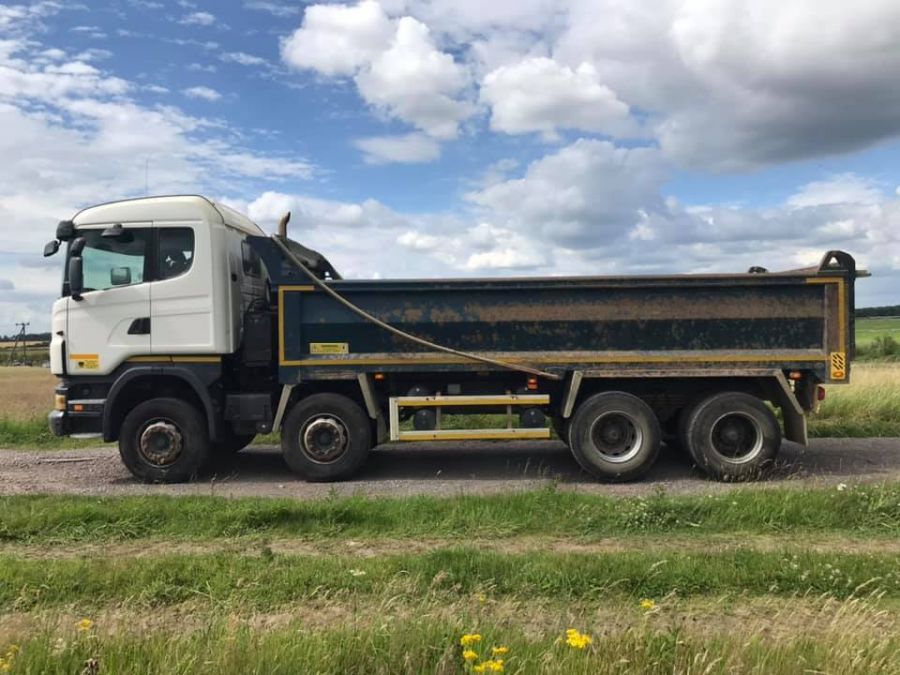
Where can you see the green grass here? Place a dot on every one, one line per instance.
(47, 519)
(268, 582)
(226, 602)
(35, 434)
(429, 646)
(867, 329)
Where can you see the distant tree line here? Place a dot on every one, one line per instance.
(29, 337)
(887, 310)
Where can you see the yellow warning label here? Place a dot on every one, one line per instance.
(86, 361)
(838, 365)
(328, 348)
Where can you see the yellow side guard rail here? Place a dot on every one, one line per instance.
(510, 401)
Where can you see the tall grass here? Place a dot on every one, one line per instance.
(872, 510)
(869, 406)
(232, 582)
(429, 646)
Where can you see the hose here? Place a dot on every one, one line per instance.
(403, 334)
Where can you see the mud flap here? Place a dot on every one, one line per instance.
(795, 428)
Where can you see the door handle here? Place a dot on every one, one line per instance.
(140, 326)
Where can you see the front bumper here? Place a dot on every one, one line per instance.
(57, 421)
(86, 422)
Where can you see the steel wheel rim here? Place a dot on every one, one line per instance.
(160, 442)
(736, 437)
(324, 438)
(617, 436)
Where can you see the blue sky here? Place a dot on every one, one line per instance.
(461, 138)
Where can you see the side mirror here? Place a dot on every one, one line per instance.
(120, 276)
(51, 247)
(65, 230)
(76, 277)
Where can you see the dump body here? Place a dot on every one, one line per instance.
(597, 325)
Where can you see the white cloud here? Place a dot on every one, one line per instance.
(395, 63)
(734, 85)
(201, 68)
(197, 19)
(243, 59)
(204, 93)
(583, 193)
(407, 149)
(842, 189)
(539, 94)
(338, 39)
(274, 8)
(416, 82)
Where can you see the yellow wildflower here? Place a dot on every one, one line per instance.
(479, 668)
(482, 598)
(647, 604)
(5, 666)
(469, 655)
(85, 625)
(577, 639)
(470, 639)
(495, 665)
(500, 651)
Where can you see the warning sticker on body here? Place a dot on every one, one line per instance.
(328, 348)
(838, 366)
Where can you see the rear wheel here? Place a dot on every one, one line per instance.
(615, 436)
(164, 440)
(733, 436)
(326, 437)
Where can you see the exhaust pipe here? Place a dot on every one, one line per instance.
(282, 225)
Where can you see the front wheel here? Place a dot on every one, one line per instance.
(733, 436)
(326, 437)
(164, 440)
(615, 436)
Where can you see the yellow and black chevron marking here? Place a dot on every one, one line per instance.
(838, 365)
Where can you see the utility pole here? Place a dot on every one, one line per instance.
(20, 337)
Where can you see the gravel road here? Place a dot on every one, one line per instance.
(471, 467)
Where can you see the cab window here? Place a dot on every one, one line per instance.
(176, 251)
(112, 262)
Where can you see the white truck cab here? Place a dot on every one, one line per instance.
(165, 276)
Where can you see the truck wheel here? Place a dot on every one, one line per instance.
(733, 436)
(164, 440)
(615, 436)
(326, 437)
(231, 443)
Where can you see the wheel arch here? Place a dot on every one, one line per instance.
(143, 383)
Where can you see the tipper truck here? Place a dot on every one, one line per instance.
(183, 330)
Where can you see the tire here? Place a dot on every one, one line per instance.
(733, 436)
(615, 436)
(164, 440)
(341, 449)
(231, 443)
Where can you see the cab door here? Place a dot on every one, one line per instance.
(111, 322)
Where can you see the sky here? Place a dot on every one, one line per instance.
(465, 138)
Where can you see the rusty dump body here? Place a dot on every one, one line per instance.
(601, 326)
